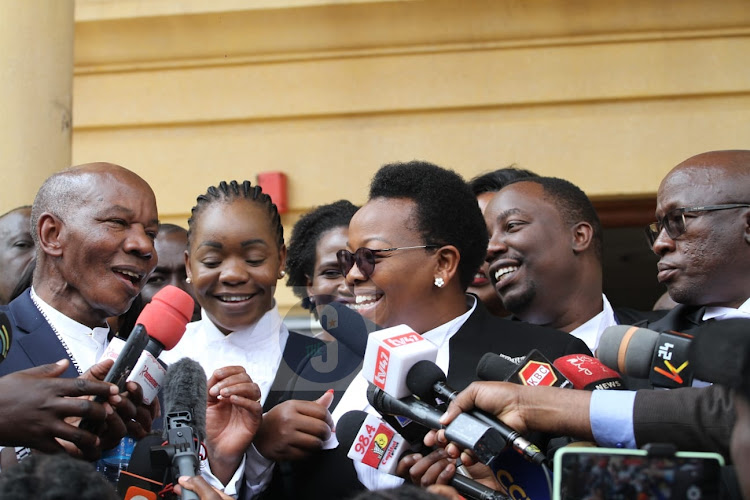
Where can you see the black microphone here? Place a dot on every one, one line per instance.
(534, 370)
(427, 381)
(347, 326)
(484, 440)
(662, 358)
(720, 352)
(375, 444)
(185, 396)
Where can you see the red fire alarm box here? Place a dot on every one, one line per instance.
(274, 185)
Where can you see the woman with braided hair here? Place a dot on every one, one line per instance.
(235, 256)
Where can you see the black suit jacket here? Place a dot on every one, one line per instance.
(691, 418)
(34, 343)
(330, 474)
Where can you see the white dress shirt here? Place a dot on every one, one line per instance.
(258, 348)
(591, 331)
(355, 397)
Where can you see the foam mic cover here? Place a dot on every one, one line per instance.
(185, 391)
(346, 326)
(720, 352)
(6, 336)
(166, 316)
(495, 368)
(628, 349)
(588, 374)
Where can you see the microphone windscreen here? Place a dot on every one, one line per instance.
(185, 390)
(347, 326)
(166, 316)
(588, 373)
(5, 336)
(628, 349)
(720, 352)
(495, 368)
(348, 426)
(422, 377)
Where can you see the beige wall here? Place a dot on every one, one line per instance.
(609, 94)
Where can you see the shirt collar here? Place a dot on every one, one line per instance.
(720, 313)
(66, 326)
(444, 332)
(262, 332)
(591, 331)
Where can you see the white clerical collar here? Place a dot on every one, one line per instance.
(591, 331)
(444, 332)
(260, 334)
(720, 313)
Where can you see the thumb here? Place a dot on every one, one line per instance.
(99, 371)
(49, 370)
(326, 399)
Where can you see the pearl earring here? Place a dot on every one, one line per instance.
(439, 282)
(188, 280)
(282, 273)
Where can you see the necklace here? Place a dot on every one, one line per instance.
(59, 337)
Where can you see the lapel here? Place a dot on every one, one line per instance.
(467, 347)
(35, 335)
(681, 319)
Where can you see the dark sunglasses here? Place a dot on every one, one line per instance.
(365, 258)
(674, 221)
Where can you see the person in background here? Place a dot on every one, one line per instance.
(545, 258)
(171, 245)
(16, 249)
(315, 277)
(484, 187)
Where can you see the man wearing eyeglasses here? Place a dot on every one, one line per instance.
(703, 240)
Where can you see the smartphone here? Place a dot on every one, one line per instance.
(121, 369)
(583, 473)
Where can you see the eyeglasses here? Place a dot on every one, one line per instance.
(674, 220)
(365, 258)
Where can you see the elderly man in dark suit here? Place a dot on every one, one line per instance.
(93, 227)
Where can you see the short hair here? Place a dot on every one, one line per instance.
(167, 228)
(52, 477)
(59, 193)
(492, 182)
(301, 254)
(446, 210)
(573, 204)
(12, 210)
(227, 193)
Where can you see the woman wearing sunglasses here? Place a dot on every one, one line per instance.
(412, 251)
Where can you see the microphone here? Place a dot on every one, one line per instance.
(589, 374)
(662, 358)
(347, 326)
(720, 352)
(376, 444)
(484, 440)
(534, 370)
(389, 355)
(427, 381)
(185, 396)
(161, 324)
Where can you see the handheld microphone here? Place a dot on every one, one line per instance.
(588, 374)
(427, 381)
(376, 444)
(347, 326)
(185, 396)
(389, 355)
(662, 358)
(534, 370)
(484, 440)
(159, 327)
